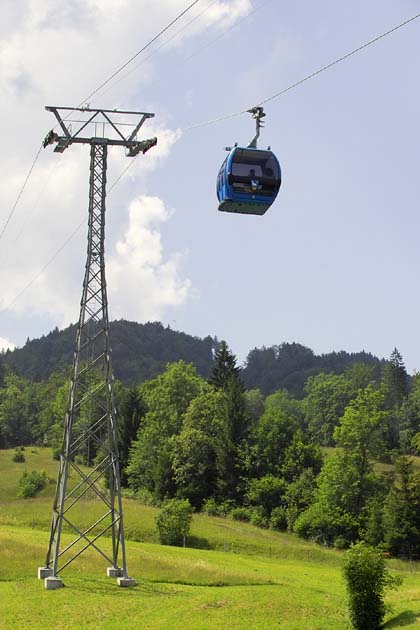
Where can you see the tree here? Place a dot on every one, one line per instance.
(226, 377)
(408, 417)
(347, 481)
(254, 405)
(395, 380)
(299, 456)
(131, 409)
(360, 436)
(327, 397)
(224, 367)
(16, 412)
(30, 484)
(367, 578)
(51, 400)
(173, 521)
(360, 375)
(401, 521)
(299, 496)
(167, 398)
(267, 493)
(200, 451)
(2, 370)
(273, 433)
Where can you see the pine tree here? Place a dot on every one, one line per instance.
(226, 376)
(132, 410)
(401, 513)
(395, 380)
(2, 372)
(225, 368)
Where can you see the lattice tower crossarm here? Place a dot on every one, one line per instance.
(90, 443)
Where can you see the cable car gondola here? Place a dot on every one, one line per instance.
(249, 178)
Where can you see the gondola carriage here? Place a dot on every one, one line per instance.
(249, 178)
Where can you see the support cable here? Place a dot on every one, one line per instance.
(308, 77)
(20, 192)
(168, 41)
(220, 119)
(124, 65)
(112, 76)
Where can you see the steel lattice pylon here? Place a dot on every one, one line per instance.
(90, 449)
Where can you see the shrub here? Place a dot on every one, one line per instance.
(18, 455)
(324, 525)
(56, 452)
(211, 507)
(367, 579)
(278, 518)
(173, 521)
(258, 519)
(30, 484)
(145, 497)
(340, 543)
(266, 492)
(241, 514)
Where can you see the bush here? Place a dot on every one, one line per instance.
(325, 525)
(19, 456)
(173, 521)
(258, 519)
(267, 493)
(210, 507)
(56, 452)
(30, 484)
(278, 518)
(367, 579)
(241, 514)
(145, 497)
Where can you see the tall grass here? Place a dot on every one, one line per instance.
(231, 575)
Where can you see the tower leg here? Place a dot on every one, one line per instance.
(90, 445)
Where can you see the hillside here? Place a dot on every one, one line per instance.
(231, 574)
(141, 351)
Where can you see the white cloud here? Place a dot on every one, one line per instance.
(226, 13)
(142, 283)
(56, 52)
(6, 344)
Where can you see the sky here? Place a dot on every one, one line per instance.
(335, 262)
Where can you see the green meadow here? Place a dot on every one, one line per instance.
(231, 575)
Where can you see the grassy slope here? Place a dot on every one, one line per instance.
(263, 580)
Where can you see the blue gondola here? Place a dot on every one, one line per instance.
(249, 178)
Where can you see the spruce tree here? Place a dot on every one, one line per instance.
(224, 368)
(2, 372)
(226, 376)
(395, 380)
(132, 410)
(395, 383)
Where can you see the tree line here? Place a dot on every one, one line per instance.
(142, 351)
(332, 466)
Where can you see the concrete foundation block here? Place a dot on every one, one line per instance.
(53, 582)
(126, 582)
(114, 572)
(44, 572)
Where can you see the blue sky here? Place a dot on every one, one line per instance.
(334, 264)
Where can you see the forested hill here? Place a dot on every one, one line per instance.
(141, 351)
(289, 365)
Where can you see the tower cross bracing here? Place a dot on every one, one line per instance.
(90, 506)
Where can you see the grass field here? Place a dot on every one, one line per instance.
(242, 577)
